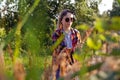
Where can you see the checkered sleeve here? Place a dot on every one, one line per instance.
(55, 36)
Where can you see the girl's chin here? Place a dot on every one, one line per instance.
(68, 26)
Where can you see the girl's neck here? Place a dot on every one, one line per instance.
(67, 30)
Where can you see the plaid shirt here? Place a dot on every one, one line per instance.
(61, 49)
(74, 38)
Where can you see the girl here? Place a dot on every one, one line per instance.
(67, 39)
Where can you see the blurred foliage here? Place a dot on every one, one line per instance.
(116, 9)
(85, 9)
(110, 24)
(29, 27)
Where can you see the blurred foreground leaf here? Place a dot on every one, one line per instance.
(103, 25)
(57, 42)
(86, 69)
(115, 52)
(94, 44)
(115, 24)
(83, 27)
(99, 25)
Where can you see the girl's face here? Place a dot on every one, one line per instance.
(67, 21)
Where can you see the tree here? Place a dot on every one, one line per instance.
(86, 10)
(9, 15)
(116, 9)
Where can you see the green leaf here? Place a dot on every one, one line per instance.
(83, 27)
(94, 44)
(115, 52)
(102, 37)
(115, 24)
(84, 69)
(99, 25)
(93, 67)
(79, 57)
(57, 42)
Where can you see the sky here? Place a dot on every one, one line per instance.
(105, 5)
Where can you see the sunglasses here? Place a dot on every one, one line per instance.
(69, 19)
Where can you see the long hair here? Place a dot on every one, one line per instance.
(61, 15)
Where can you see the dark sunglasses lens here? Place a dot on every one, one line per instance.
(67, 19)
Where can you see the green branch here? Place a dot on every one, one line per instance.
(19, 26)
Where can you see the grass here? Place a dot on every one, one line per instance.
(34, 69)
